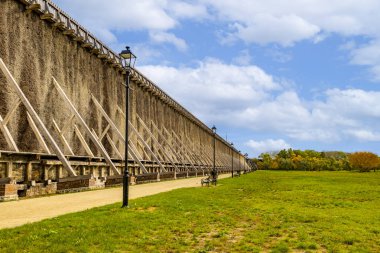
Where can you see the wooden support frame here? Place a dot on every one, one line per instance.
(36, 118)
(3, 126)
(178, 157)
(87, 129)
(37, 133)
(83, 141)
(156, 142)
(197, 156)
(146, 146)
(133, 151)
(184, 147)
(8, 137)
(62, 137)
(184, 153)
(110, 141)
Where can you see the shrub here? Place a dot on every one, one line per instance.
(364, 161)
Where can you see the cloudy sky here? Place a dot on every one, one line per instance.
(269, 74)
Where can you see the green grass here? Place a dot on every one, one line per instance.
(262, 211)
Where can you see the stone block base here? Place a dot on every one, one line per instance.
(8, 192)
(167, 176)
(147, 178)
(117, 180)
(192, 174)
(76, 184)
(39, 189)
(182, 174)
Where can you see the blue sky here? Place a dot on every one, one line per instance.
(269, 74)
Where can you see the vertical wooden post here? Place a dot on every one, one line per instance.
(9, 169)
(101, 172)
(45, 173)
(59, 172)
(28, 172)
(82, 170)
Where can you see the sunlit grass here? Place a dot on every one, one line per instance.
(263, 211)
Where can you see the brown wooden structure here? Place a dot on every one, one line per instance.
(61, 122)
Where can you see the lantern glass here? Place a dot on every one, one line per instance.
(129, 57)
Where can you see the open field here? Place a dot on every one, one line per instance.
(263, 211)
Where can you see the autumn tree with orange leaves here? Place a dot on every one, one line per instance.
(364, 161)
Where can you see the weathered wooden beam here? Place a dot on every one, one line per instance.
(156, 142)
(166, 145)
(37, 133)
(110, 141)
(183, 146)
(108, 119)
(146, 146)
(68, 124)
(87, 129)
(62, 137)
(184, 153)
(195, 155)
(9, 169)
(36, 118)
(112, 125)
(12, 111)
(83, 141)
(133, 152)
(104, 133)
(8, 137)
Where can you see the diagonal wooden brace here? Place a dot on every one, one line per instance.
(37, 119)
(86, 128)
(40, 139)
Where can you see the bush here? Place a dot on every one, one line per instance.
(364, 161)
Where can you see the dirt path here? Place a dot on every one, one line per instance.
(17, 213)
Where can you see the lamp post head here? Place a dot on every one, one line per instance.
(213, 129)
(129, 57)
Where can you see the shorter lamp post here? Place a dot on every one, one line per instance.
(214, 168)
(239, 163)
(232, 159)
(129, 61)
(246, 162)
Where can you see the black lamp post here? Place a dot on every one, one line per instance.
(214, 168)
(239, 163)
(232, 159)
(128, 61)
(246, 162)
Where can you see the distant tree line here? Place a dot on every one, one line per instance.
(310, 160)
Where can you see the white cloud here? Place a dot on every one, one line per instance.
(268, 145)
(284, 30)
(183, 10)
(244, 58)
(164, 37)
(368, 55)
(121, 14)
(248, 97)
(365, 135)
(287, 22)
(252, 21)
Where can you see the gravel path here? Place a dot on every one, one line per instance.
(17, 213)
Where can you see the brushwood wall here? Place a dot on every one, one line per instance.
(36, 50)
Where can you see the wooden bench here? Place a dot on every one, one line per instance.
(208, 180)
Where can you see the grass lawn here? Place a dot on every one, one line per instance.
(262, 211)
